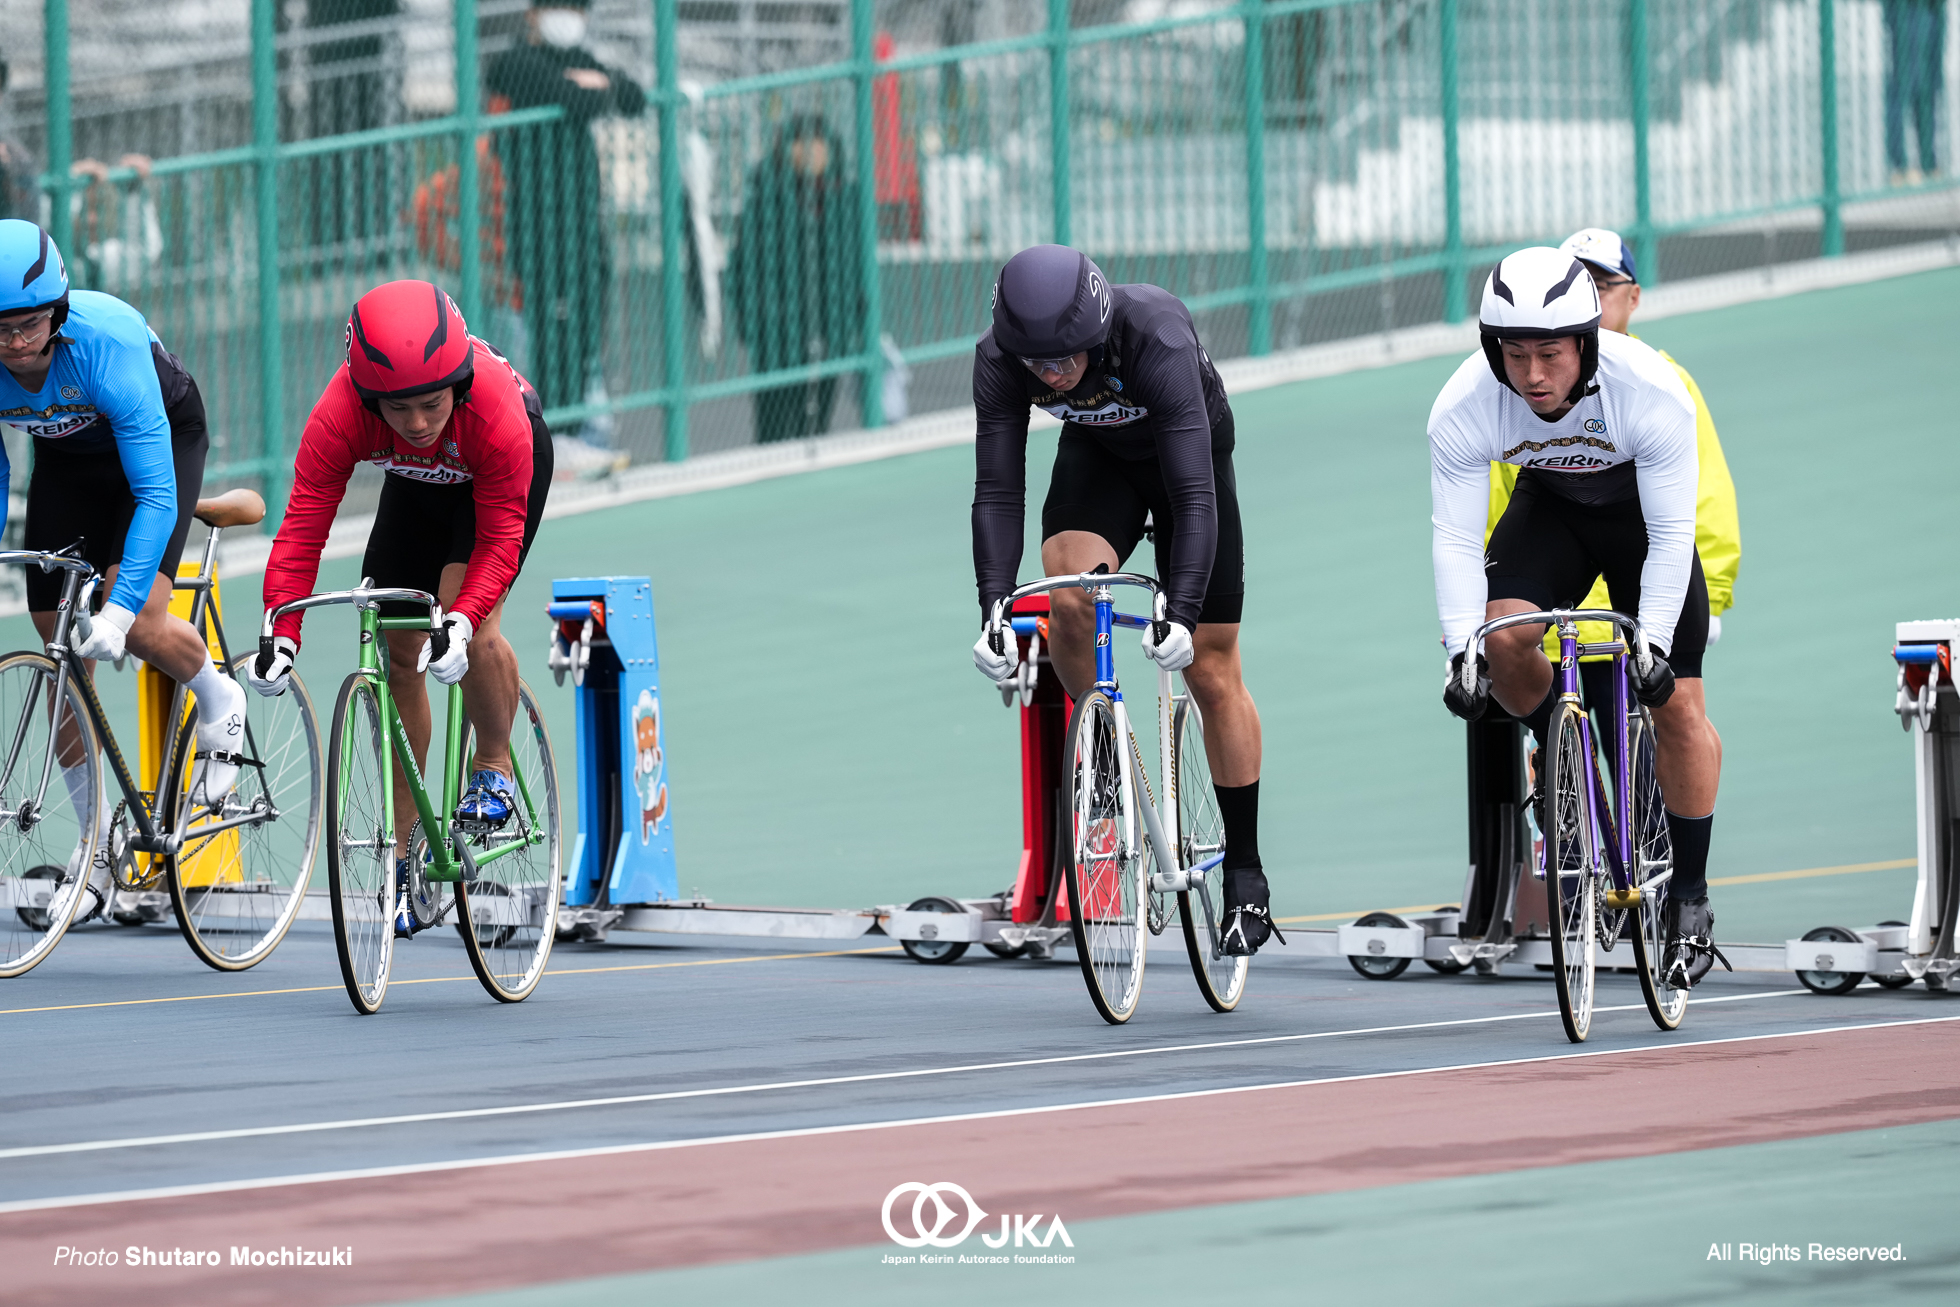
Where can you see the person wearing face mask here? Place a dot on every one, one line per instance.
(555, 237)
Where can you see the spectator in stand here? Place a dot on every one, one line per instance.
(1915, 47)
(794, 275)
(19, 197)
(557, 242)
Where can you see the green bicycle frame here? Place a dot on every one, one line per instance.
(453, 861)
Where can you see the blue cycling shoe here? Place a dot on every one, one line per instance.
(489, 801)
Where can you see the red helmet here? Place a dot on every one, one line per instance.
(407, 338)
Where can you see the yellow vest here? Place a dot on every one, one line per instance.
(1718, 529)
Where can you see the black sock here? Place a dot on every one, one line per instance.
(1238, 806)
(1690, 836)
(1539, 719)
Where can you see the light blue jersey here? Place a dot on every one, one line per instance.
(102, 392)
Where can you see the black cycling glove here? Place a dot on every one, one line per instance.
(1468, 706)
(1657, 686)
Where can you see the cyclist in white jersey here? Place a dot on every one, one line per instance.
(1603, 432)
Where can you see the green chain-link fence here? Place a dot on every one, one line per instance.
(684, 265)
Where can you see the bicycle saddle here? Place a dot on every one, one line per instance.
(240, 507)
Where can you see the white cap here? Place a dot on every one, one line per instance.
(1602, 249)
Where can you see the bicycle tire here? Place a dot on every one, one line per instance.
(360, 847)
(1200, 835)
(57, 845)
(1105, 867)
(508, 915)
(1571, 871)
(232, 925)
(1653, 856)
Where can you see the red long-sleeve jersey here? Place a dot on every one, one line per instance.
(487, 442)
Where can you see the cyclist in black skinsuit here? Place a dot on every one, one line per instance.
(1147, 434)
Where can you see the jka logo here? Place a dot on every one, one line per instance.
(933, 1231)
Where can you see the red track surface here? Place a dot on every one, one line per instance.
(535, 1222)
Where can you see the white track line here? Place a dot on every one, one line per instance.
(515, 1109)
(807, 1132)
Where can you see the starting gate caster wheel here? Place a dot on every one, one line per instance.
(937, 952)
(1381, 968)
(1898, 979)
(1831, 982)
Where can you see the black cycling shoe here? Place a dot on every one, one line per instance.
(1691, 951)
(1246, 928)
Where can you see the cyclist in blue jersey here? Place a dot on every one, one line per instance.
(119, 445)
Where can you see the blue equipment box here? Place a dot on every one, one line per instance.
(603, 634)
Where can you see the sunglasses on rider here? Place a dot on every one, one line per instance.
(21, 329)
(1049, 365)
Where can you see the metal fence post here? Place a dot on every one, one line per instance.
(265, 144)
(1454, 269)
(1058, 114)
(61, 138)
(1259, 311)
(469, 219)
(1646, 246)
(872, 400)
(673, 279)
(1828, 125)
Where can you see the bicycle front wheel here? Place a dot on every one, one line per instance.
(1571, 870)
(508, 912)
(1105, 869)
(50, 788)
(360, 845)
(237, 891)
(1653, 857)
(1201, 839)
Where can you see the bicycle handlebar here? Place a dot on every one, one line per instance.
(1555, 617)
(360, 596)
(1083, 581)
(48, 561)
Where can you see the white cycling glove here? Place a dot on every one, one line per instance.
(1174, 654)
(106, 633)
(272, 676)
(1714, 631)
(997, 667)
(455, 661)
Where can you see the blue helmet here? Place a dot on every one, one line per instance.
(33, 274)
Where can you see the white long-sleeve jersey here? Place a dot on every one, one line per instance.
(1640, 413)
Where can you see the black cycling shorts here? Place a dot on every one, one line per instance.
(420, 527)
(1092, 489)
(1548, 551)
(85, 496)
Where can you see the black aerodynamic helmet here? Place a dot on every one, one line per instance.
(1050, 302)
(1541, 294)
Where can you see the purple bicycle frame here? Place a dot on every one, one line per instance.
(1605, 821)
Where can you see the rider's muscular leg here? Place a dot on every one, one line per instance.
(489, 687)
(1232, 735)
(1072, 613)
(1520, 675)
(1688, 764)
(155, 636)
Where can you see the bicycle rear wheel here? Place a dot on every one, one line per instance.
(508, 914)
(1201, 838)
(360, 846)
(1653, 857)
(238, 891)
(1105, 869)
(48, 821)
(1571, 870)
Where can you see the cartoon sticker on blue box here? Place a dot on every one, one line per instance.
(649, 765)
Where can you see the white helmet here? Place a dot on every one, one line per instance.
(1541, 294)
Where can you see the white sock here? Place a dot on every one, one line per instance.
(76, 779)
(217, 694)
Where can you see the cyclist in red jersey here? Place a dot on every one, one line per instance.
(467, 457)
